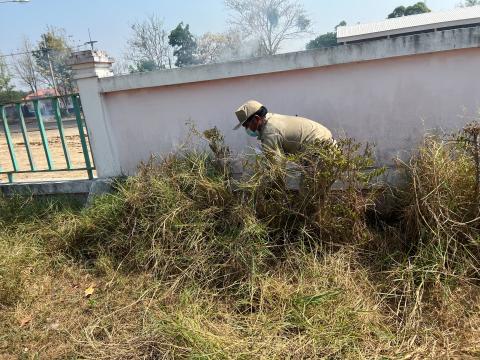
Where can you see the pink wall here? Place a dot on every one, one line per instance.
(390, 102)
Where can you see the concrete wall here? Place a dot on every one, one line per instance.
(388, 92)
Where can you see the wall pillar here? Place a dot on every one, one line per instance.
(88, 67)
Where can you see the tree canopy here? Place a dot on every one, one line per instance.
(148, 47)
(468, 3)
(184, 44)
(215, 47)
(51, 56)
(418, 8)
(270, 22)
(325, 40)
(5, 76)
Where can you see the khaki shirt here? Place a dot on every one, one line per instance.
(289, 134)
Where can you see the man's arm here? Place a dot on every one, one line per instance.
(272, 147)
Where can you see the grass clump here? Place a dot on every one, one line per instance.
(185, 216)
(442, 217)
(15, 260)
(185, 260)
(317, 212)
(178, 219)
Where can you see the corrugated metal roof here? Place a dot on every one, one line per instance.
(412, 23)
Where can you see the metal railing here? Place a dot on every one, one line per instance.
(60, 109)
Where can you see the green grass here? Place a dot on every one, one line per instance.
(187, 262)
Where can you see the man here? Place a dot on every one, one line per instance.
(279, 133)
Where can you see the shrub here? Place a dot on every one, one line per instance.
(442, 211)
(186, 261)
(185, 215)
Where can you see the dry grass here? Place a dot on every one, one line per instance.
(188, 263)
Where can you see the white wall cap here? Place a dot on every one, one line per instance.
(448, 40)
(90, 57)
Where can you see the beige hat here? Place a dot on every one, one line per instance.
(245, 111)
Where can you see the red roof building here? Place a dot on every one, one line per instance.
(41, 93)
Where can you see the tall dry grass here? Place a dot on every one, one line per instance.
(188, 262)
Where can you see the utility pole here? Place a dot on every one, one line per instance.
(46, 51)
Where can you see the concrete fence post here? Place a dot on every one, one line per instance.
(88, 67)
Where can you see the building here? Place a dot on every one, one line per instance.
(410, 25)
(40, 94)
(46, 108)
(45, 105)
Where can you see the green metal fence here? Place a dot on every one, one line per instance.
(61, 109)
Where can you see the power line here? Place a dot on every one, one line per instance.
(15, 54)
(36, 51)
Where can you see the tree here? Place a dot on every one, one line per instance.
(397, 12)
(213, 48)
(468, 3)
(121, 66)
(25, 66)
(418, 8)
(148, 46)
(272, 22)
(7, 92)
(143, 66)
(11, 96)
(326, 40)
(5, 76)
(51, 57)
(184, 44)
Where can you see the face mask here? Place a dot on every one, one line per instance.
(252, 133)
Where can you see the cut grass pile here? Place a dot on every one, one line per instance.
(183, 261)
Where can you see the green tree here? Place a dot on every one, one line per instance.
(468, 3)
(326, 40)
(11, 96)
(418, 8)
(51, 57)
(185, 46)
(397, 12)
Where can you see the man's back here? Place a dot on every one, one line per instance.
(290, 134)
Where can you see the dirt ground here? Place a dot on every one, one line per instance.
(73, 144)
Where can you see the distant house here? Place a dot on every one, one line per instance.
(46, 107)
(40, 94)
(410, 25)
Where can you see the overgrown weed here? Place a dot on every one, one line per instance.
(442, 216)
(189, 262)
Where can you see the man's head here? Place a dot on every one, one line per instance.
(251, 115)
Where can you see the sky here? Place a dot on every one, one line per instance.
(109, 20)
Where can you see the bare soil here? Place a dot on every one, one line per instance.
(55, 145)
